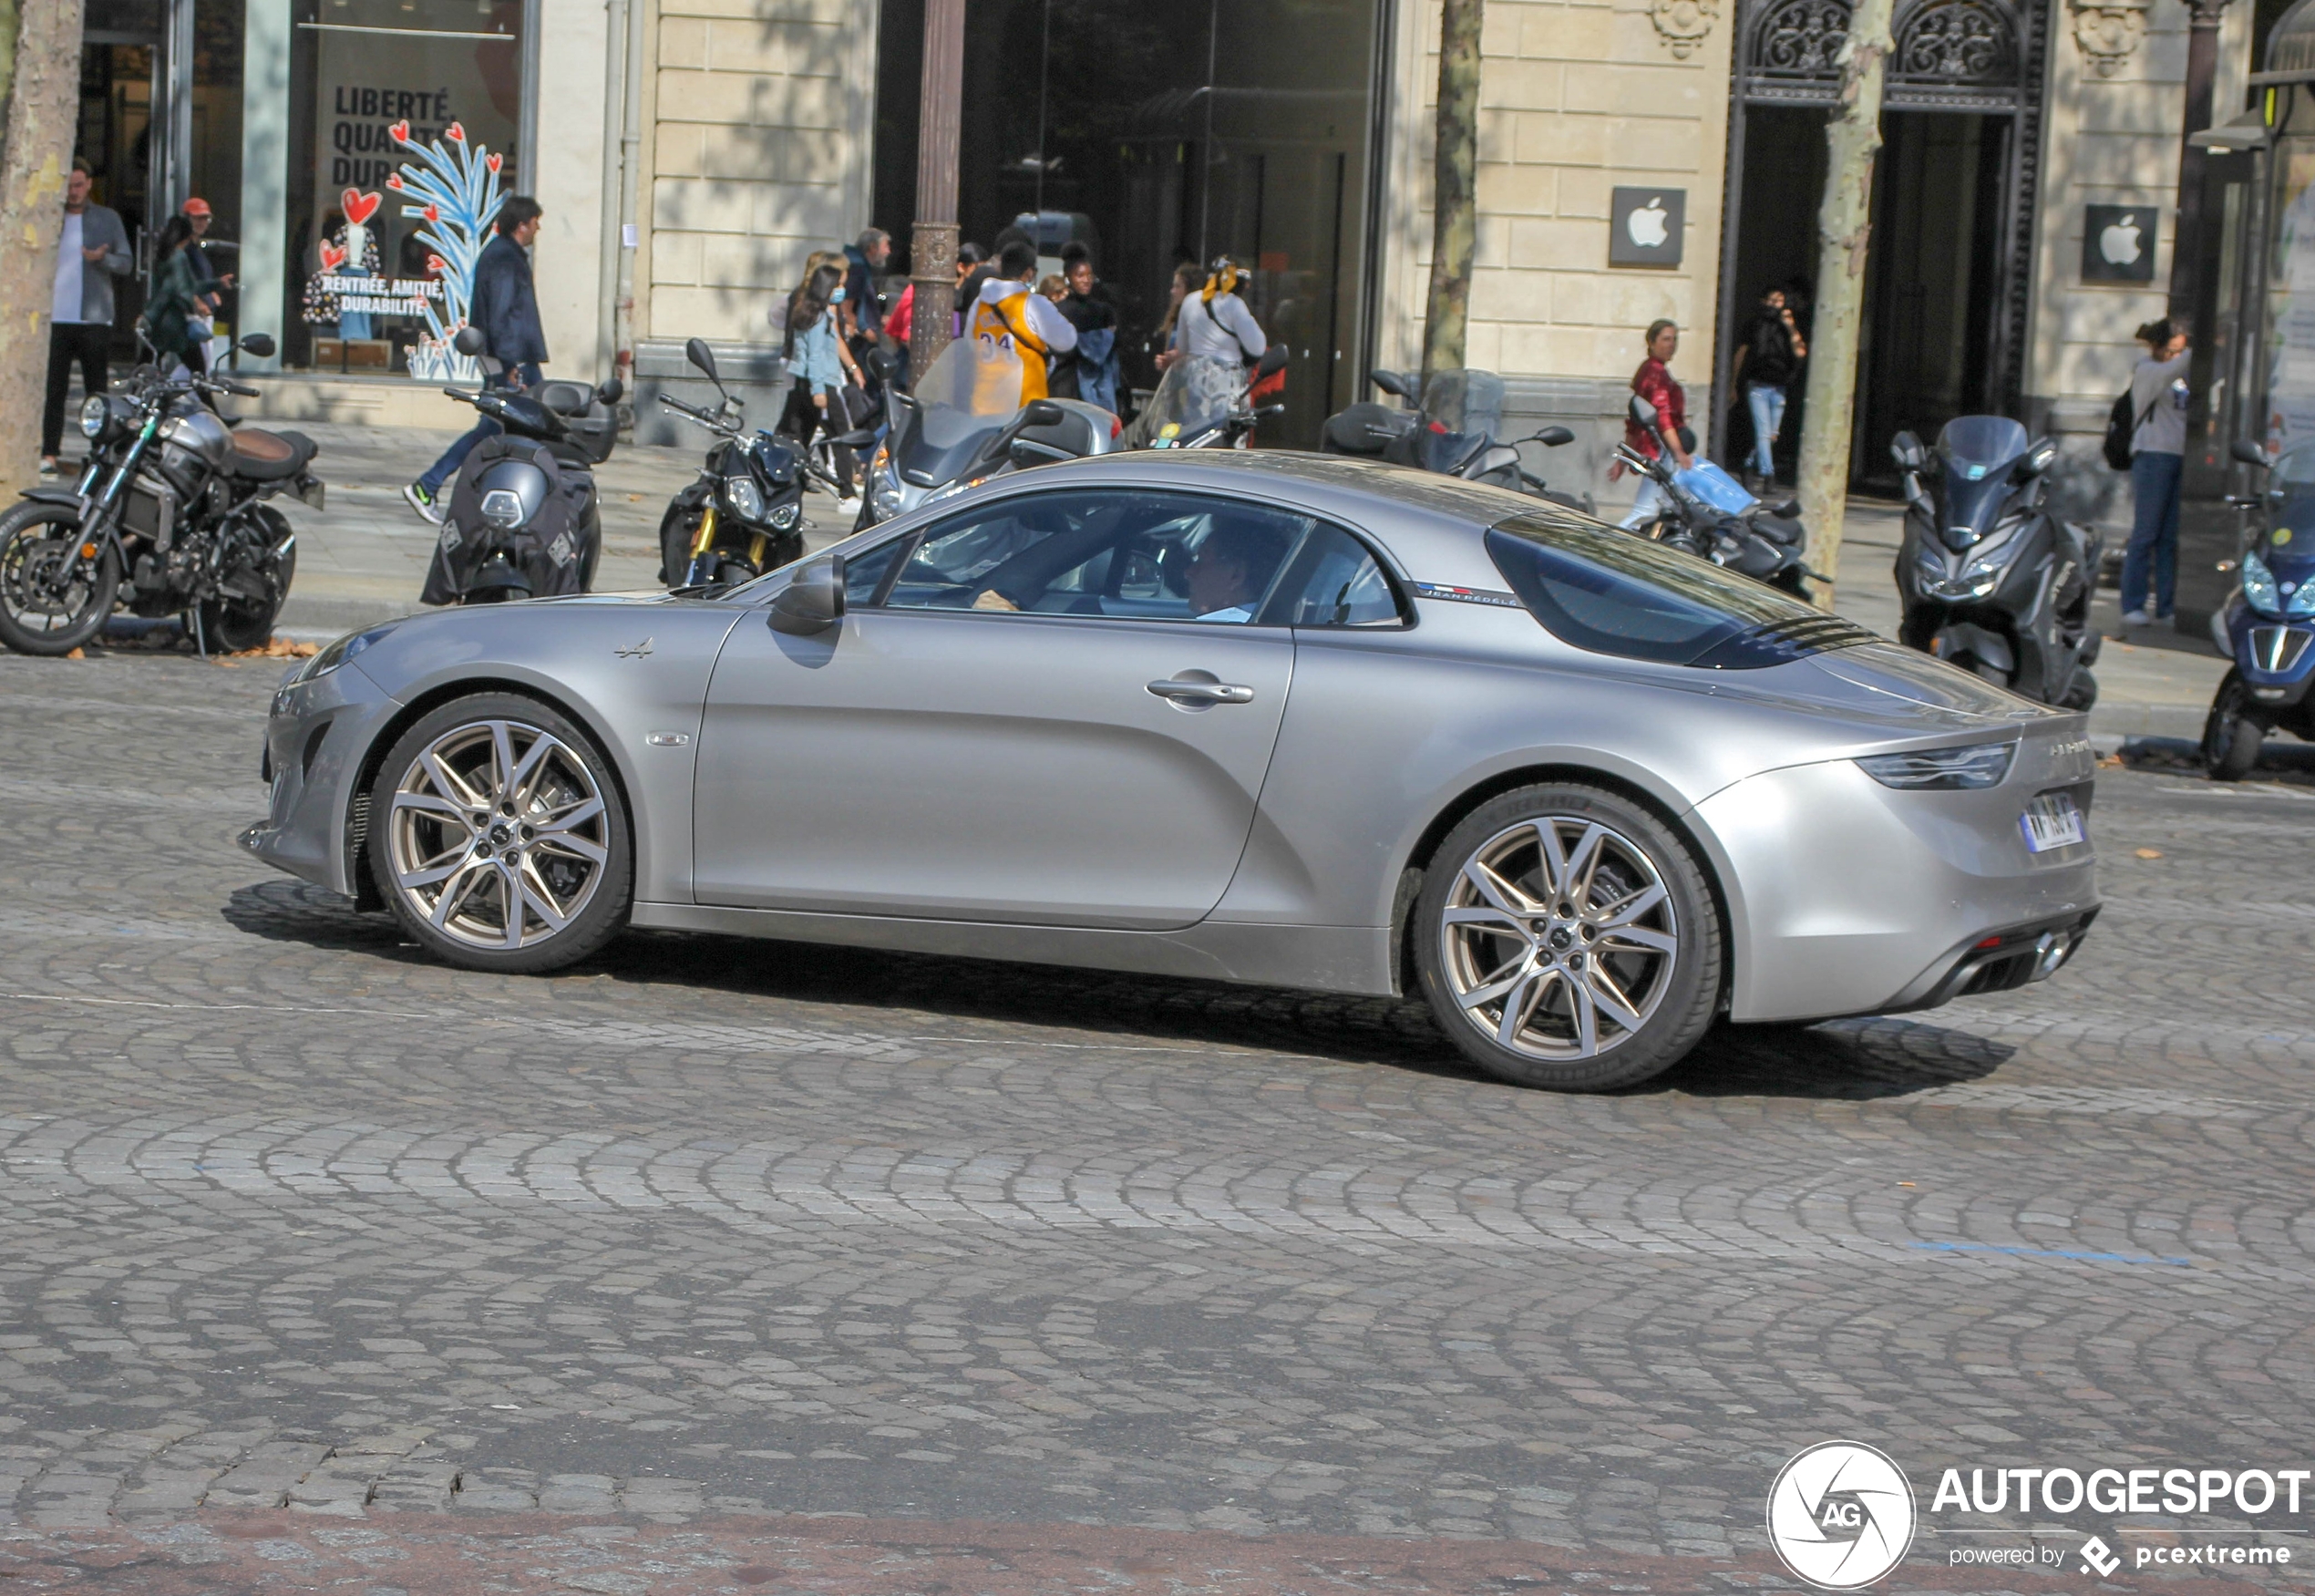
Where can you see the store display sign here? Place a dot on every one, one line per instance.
(1644, 226)
(2119, 243)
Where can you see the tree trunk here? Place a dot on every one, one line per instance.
(40, 87)
(1454, 223)
(1844, 229)
(932, 246)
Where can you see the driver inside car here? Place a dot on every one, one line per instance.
(1232, 570)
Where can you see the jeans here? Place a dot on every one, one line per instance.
(2154, 532)
(1652, 503)
(1767, 403)
(86, 342)
(443, 469)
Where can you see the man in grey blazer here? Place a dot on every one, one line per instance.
(93, 250)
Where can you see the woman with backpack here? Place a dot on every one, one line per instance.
(2157, 458)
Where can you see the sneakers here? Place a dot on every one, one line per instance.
(49, 466)
(2136, 618)
(428, 507)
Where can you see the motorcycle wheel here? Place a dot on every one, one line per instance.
(52, 599)
(2231, 740)
(2082, 694)
(677, 527)
(238, 625)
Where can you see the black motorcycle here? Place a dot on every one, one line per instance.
(745, 516)
(1710, 514)
(1452, 429)
(523, 520)
(168, 517)
(1990, 580)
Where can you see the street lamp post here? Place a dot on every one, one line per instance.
(933, 245)
(2202, 67)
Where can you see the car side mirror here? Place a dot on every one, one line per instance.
(2250, 453)
(611, 391)
(469, 340)
(1392, 383)
(1553, 437)
(1272, 362)
(2034, 462)
(696, 351)
(259, 344)
(1906, 451)
(1042, 412)
(813, 602)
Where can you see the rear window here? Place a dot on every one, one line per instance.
(1609, 592)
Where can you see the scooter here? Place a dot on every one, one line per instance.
(2268, 628)
(1989, 578)
(745, 515)
(1716, 518)
(1451, 429)
(1202, 403)
(523, 520)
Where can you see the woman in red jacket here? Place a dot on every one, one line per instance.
(1654, 383)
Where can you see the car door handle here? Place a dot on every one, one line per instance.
(1209, 692)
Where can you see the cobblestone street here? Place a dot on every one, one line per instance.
(430, 1281)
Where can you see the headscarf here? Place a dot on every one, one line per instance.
(1228, 277)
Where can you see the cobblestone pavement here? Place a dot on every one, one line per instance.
(314, 1244)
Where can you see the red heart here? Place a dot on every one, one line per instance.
(455, 131)
(332, 257)
(359, 207)
(435, 265)
(493, 160)
(394, 181)
(431, 213)
(401, 131)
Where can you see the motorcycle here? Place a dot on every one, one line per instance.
(745, 515)
(523, 519)
(2268, 628)
(168, 517)
(960, 427)
(1715, 518)
(1450, 430)
(1206, 404)
(1989, 578)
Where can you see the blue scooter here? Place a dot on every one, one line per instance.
(2268, 628)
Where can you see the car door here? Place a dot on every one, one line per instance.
(1056, 708)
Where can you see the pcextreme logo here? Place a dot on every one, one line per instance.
(1841, 1515)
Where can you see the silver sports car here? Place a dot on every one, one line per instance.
(1275, 718)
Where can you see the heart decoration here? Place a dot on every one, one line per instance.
(493, 160)
(432, 213)
(455, 131)
(401, 131)
(435, 265)
(332, 257)
(394, 181)
(359, 207)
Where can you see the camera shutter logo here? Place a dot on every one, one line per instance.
(1841, 1515)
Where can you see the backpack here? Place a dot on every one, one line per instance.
(2121, 427)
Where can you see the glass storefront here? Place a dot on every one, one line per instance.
(1157, 135)
(405, 128)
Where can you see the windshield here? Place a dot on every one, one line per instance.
(1977, 451)
(960, 403)
(1462, 410)
(1715, 487)
(1196, 395)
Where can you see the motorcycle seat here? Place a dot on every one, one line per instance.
(269, 457)
(566, 398)
(1779, 530)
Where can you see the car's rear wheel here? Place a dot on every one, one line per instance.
(1566, 939)
(499, 836)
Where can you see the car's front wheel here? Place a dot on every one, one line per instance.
(1566, 939)
(499, 837)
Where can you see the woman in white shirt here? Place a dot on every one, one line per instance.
(1215, 324)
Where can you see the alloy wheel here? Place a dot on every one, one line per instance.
(497, 837)
(1558, 938)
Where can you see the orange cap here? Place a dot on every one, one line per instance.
(196, 206)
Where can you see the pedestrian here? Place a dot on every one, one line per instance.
(505, 306)
(973, 270)
(197, 212)
(1088, 372)
(1654, 383)
(863, 311)
(1214, 324)
(180, 297)
(1186, 277)
(1014, 331)
(1766, 362)
(92, 252)
(819, 365)
(2157, 459)
(1054, 287)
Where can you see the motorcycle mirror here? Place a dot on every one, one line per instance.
(612, 391)
(1553, 437)
(1025, 452)
(813, 602)
(884, 364)
(1042, 413)
(259, 344)
(1642, 413)
(1392, 383)
(696, 351)
(1272, 362)
(2035, 460)
(1788, 509)
(2250, 453)
(469, 340)
(1906, 451)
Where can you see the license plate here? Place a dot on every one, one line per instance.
(2052, 821)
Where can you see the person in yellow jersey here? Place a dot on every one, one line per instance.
(1012, 331)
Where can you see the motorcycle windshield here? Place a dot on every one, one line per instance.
(1462, 411)
(2286, 545)
(1195, 396)
(959, 408)
(1715, 487)
(1977, 451)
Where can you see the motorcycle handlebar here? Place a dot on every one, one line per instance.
(705, 418)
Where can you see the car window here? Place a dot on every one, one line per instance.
(1335, 581)
(1118, 552)
(864, 572)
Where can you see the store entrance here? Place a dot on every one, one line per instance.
(1158, 135)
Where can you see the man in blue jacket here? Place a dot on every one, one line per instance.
(506, 307)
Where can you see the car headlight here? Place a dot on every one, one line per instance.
(746, 500)
(343, 650)
(1942, 769)
(784, 516)
(94, 414)
(887, 495)
(502, 507)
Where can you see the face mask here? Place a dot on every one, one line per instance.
(837, 298)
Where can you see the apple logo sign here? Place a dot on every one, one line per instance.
(2118, 241)
(1646, 225)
